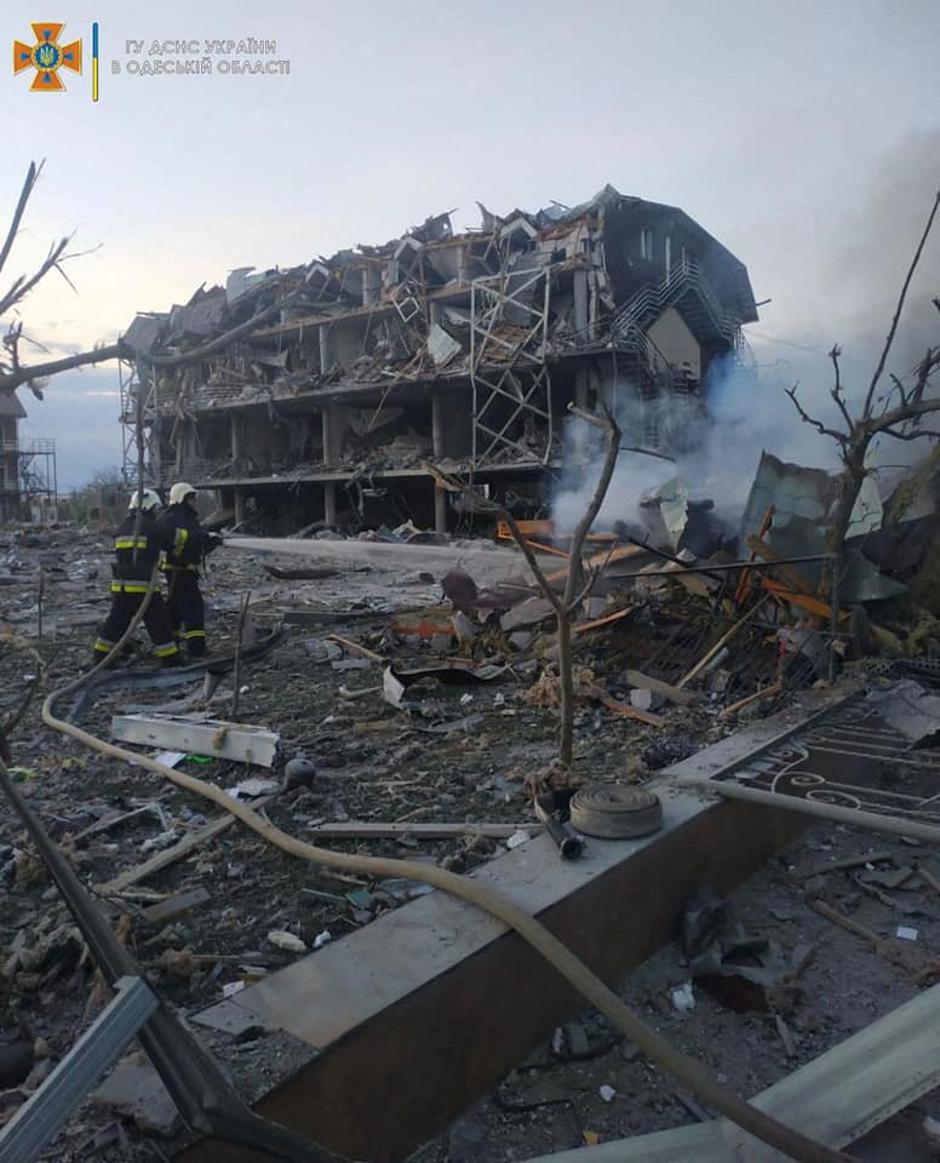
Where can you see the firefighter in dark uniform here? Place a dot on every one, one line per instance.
(189, 544)
(137, 549)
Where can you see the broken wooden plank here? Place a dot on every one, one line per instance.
(586, 627)
(845, 863)
(927, 876)
(765, 693)
(624, 709)
(189, 843)
(199, 736)
(805, 601)
(176, 906)
(643, 682)
(788, 573)
(543, 528)
(369, 830)
(835, 1099)
(744, 581)
(605, 557)
(356, 647)
(725, 638)
(550, 550)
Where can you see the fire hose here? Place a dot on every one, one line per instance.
(688, 1071)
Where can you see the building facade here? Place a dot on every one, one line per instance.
(335, 389)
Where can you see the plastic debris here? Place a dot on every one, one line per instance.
(287, 941)
(517, 838)
(682, 998)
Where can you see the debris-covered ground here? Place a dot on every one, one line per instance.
(460, 749)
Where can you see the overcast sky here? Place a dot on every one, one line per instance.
(804, 135)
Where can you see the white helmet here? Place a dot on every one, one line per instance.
(146, 500)
(180, 492)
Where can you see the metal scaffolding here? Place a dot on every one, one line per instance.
(138, 410)
(30, 473)
(512, 388)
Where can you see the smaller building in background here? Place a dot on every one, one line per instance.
(28, 484)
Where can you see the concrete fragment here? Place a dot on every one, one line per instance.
(529, 613)
(134, 1090)
(177, 906)
(521, 639)
(646, 700)
(322, 650)
(464, 627)
(441, 347)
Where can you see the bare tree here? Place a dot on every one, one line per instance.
(899, 413)
(13, 373)
(577, 587)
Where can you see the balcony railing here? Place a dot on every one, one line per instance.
(33, 446)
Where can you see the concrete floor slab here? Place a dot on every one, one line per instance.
(418, 1013)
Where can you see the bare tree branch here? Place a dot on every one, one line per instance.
(836, 392)
(899, 387)
(239, 332)
(866, 411)
(23, 375)
(22, 286)
(807, 419)
(904, 414)
(531, 560)
(32, 177)
(913, 434)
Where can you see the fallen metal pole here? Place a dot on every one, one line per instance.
(203, 1096)
(40, 1118)
(857, 816)
(722, 567)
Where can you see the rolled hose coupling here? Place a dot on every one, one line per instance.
(615, 811)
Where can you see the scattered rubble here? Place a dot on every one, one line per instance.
(439, 776)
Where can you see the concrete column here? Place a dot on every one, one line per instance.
(581, 305)
(329, 503)
(236, 434)
(371, 283)
(240, 505)
(582, 384)
(440, 510)
(438, 425)
(334, 429)
(326, 355)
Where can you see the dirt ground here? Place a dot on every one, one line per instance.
(461, 753)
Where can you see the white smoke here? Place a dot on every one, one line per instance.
(747, 413)
(857, 275)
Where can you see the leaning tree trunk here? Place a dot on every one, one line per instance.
(851, 481)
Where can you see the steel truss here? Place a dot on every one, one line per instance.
(138, 407)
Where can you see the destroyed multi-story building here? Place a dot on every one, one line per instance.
(341, 387)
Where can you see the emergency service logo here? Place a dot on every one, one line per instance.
(47, 57)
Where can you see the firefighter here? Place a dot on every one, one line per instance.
(189, 544)
(137, 549)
